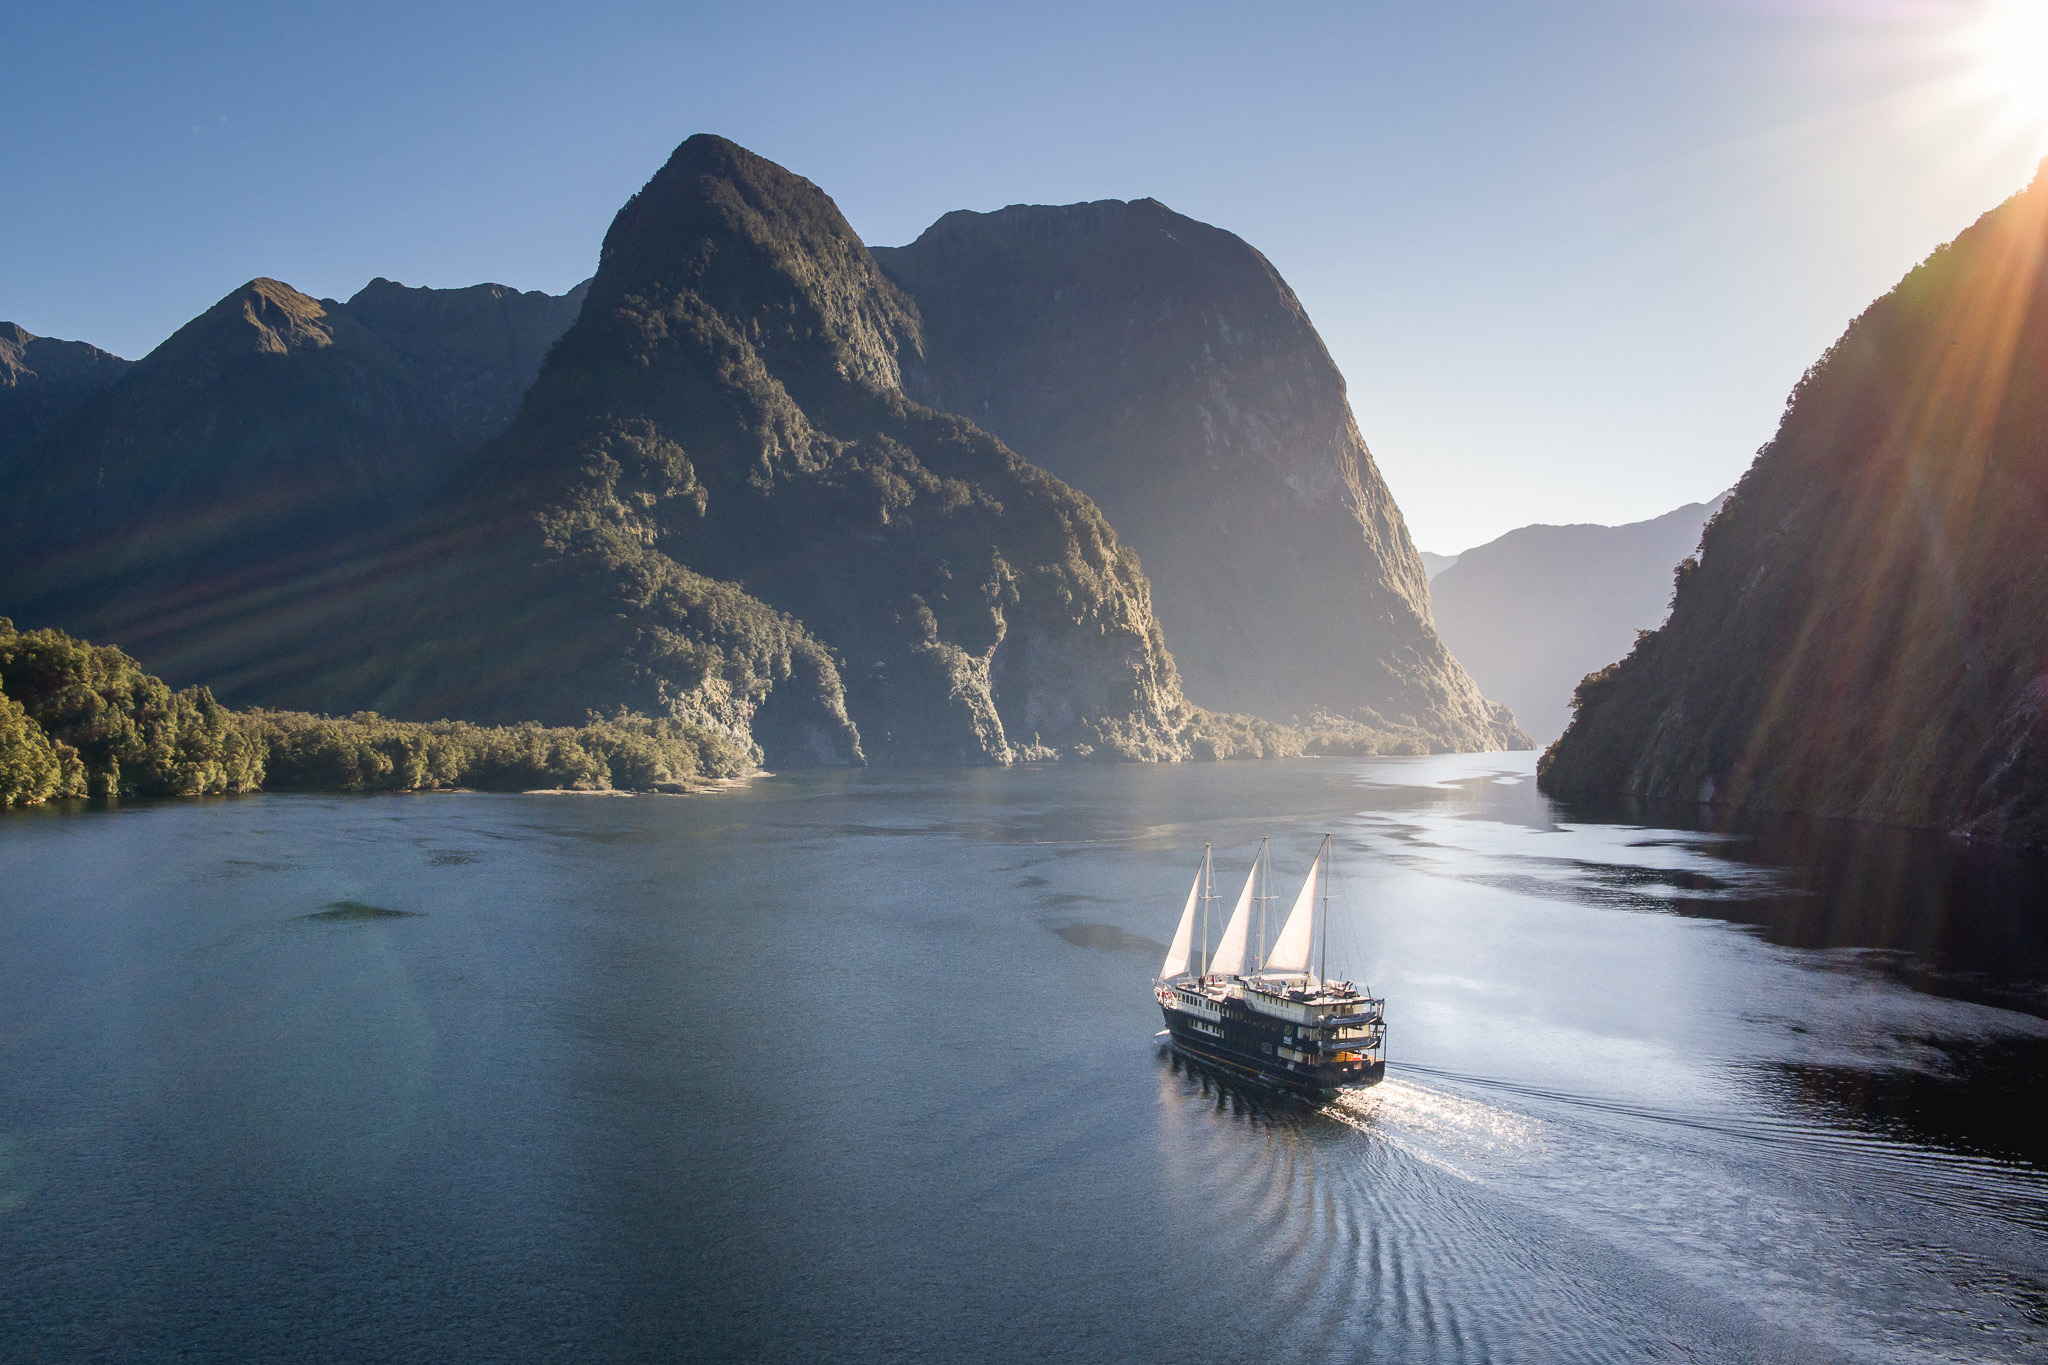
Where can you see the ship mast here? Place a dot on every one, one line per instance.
(1208, 894)
(1323, 967)
(1266, 870)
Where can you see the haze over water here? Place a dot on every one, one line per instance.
(863, 1066)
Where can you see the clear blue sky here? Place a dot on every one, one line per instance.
(1570, 256)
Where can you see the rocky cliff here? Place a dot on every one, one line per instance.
(720, 502)
(1534, 611)
(1162, 367)
(1865, 631)
(205, 505)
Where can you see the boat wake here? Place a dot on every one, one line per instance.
(1451, 1132)
(1791, 1232)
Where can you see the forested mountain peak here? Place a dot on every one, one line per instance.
(1861, 634)
(748, 239)
(721, 497)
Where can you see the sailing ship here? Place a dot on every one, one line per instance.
(1284, 1024)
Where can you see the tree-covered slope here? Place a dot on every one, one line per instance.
(1865, 632)
(208, 505)
(720, 502)
(1162, 367)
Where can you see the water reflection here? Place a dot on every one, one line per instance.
(863, 1066)
(1957, 918)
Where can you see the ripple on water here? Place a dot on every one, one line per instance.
(1441, 1215)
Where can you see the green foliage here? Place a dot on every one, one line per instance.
(79, 719)
(1213, 736)
(1338, 736)
(369, 752)
(32, 767)
(131, 732)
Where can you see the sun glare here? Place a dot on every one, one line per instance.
(2007, 48)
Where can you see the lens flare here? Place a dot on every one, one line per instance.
(2006, 47)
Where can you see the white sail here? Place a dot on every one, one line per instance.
(1229, 959)
(1291, 950)
(1177, 955)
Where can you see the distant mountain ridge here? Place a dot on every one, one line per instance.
(1162, 366)
(1865, 630)
(709, 487)
(1532, 612)
(204, 500)
(42, 380)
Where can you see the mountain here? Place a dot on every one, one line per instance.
(720, 503)
(1434, 564)
(1865, 631)
(200, 507)
(41, 381)
(1162, 367)
(1531, 613)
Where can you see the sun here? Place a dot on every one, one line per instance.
(2006, 49)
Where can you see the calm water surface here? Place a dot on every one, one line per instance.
(863, 1067)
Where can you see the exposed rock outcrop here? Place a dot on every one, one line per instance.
(1865, 632)
(1162, 367)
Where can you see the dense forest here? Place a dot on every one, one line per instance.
(84, 720)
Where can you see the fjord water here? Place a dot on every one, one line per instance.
(859, 1066)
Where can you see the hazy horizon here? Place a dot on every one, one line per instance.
(1569, 257)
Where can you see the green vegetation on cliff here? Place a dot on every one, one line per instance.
(719, 503)
(1865, 631)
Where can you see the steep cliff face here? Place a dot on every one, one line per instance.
(719, 502)
(1538, 609)
(1865, 632)
(42, 380)
(1162, 367)
(208, 500)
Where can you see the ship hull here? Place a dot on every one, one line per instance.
(1244, 1051)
